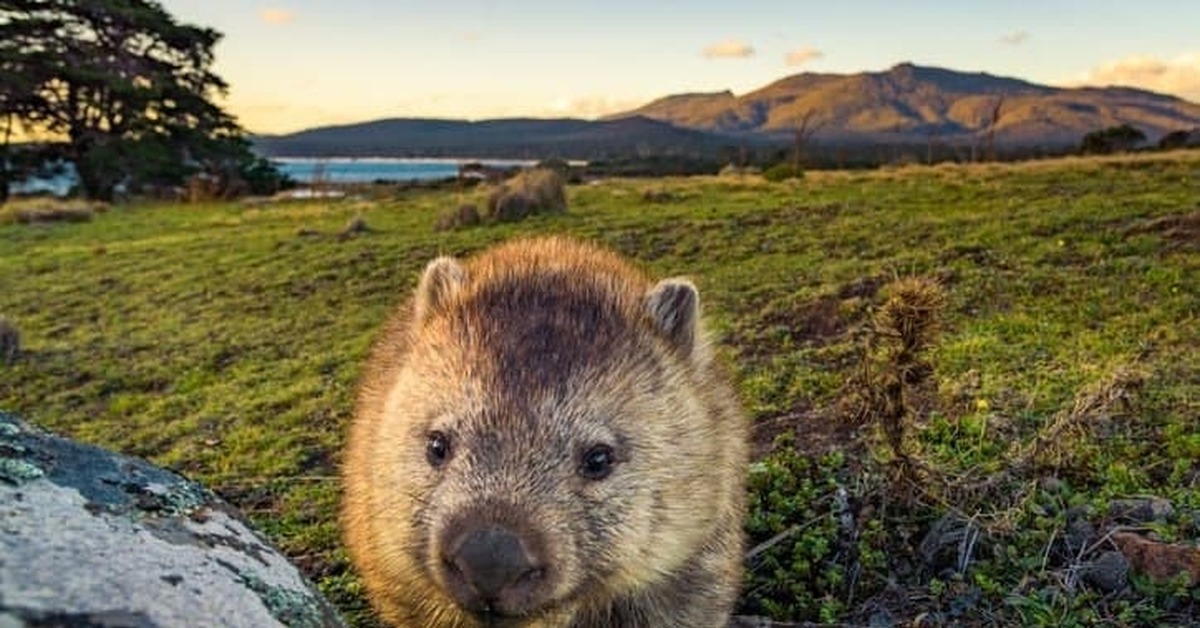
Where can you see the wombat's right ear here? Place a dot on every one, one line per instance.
(674, 306)
(443, 278)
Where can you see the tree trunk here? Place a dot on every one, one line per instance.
(97, 176)
(95, 185)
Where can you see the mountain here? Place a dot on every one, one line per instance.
(507, 138)
(907, 104)
(910, 103)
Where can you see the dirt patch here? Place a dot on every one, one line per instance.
(1181, 231)
(862, 288)
(817, 431)
(815, 322)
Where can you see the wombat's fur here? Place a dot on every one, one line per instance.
(543, 439)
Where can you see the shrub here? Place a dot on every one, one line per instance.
(46, 210)
(536, 191)
(355, 226)
(463, 216)
(782, 172)
(1114, 139)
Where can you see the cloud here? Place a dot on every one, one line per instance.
(592, 106)
(276, 16)
(1015, 38)
(801, 56)
(1179, 76)
(729, 49)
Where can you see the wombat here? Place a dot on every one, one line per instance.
(543, 438)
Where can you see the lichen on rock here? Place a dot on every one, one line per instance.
(93, 534)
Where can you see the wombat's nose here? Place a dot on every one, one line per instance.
(494, 565)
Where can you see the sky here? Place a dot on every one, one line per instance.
(295, 64)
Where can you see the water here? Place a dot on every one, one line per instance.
(368, 169)
(306, 170)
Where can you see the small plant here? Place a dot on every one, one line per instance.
(799, 563)
(458, 218)
(355, 226)
(782, 172)
(895, 366)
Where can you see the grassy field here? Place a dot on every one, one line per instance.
(979, 483)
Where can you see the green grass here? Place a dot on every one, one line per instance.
(218, 341)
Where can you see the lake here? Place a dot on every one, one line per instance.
(368, 169)
(307, 170)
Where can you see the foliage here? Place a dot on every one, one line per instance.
(126, 88)
(1114, 139)
(1183, 138)
(215, 340)
(783, 172)
(533, 191)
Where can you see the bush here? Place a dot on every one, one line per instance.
(46, 210)
(1180, 139)
(782, 172)
(536, 191)
(1114, 139)
(463, 216)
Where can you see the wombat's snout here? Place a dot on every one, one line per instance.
(489, 569)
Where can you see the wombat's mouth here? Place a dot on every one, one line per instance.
(496, 619)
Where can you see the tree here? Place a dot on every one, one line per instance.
(126, 89)
(801, 134)
(1113, 139)
(1183, 138)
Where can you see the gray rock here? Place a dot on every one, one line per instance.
(1108, 572)
(92, 538)
(1141, 509)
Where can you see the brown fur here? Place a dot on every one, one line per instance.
(526, 356)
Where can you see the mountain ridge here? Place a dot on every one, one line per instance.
(905, 104)
(911, 103)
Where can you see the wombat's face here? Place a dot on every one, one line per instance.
(549, 441)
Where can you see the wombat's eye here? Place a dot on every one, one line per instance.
(597, 462)
(437, 448)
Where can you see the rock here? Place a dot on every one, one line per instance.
(949, 544)
(1160, 561)
(93, 538)
(1141, 509)
(1107, 572)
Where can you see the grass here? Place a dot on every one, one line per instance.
(225, 341)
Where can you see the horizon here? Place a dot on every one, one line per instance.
(299, 64)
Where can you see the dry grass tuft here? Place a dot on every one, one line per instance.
(1055, 445)
(461, 217)
(356, 225)
(41, 210)
(536, 191)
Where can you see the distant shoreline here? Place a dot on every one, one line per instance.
(310, 170)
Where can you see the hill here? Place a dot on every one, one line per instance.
(511, 138)
(912, 104)
(907, 104)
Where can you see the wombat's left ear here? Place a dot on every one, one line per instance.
(443, 278)
(674, 307)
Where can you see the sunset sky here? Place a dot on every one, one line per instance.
(293, 64)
